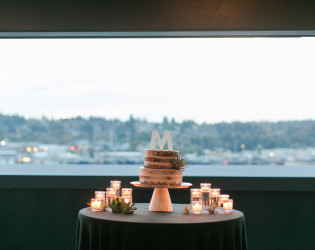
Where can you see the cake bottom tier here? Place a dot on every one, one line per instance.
(160, 177)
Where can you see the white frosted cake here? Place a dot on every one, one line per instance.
(158, 170)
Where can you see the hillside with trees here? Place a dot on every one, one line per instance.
(188, 136)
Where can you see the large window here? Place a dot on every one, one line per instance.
(226, 101)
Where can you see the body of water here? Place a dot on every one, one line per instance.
(133, 170)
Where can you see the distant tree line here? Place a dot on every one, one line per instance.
(188, 136)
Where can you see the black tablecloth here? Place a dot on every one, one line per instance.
(156, 230)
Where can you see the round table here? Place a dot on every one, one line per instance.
(156, 230)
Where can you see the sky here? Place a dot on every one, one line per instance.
(201, 79)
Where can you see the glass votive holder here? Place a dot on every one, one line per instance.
(126, 192)
(109, 200)
(96, 204)
(195, 193)
(205, 186)
(222, 198)
(214, 201)
(126, 199)
(116, 185)
(215, 192)
(110, 195)
(111, 192)
(196, 206)
(227, 206)
(205, 200)
(100, 195)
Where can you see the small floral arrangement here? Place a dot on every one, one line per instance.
(212, 208)
(187, 209)
(179, 163)
(119, 206)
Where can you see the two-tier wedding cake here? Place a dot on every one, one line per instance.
(159, 164)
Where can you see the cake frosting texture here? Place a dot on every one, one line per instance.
(158, 170)
(159, 159)
(166, 177)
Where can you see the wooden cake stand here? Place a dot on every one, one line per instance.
(161, 200)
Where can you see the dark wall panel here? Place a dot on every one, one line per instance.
(46, 218)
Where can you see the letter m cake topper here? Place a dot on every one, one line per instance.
(167, 137)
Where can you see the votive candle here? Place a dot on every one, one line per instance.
(228, 205)
(195, 192)
(115, 184)
(223, 198)
(196, 207)
(205, 186)
(111, 192)
(205, 192)
(100, 195)
(215, 192)
(127, 199)
(126, 192)
(96, 204)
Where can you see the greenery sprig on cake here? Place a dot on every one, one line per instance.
(119, 206)
(179, 163)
